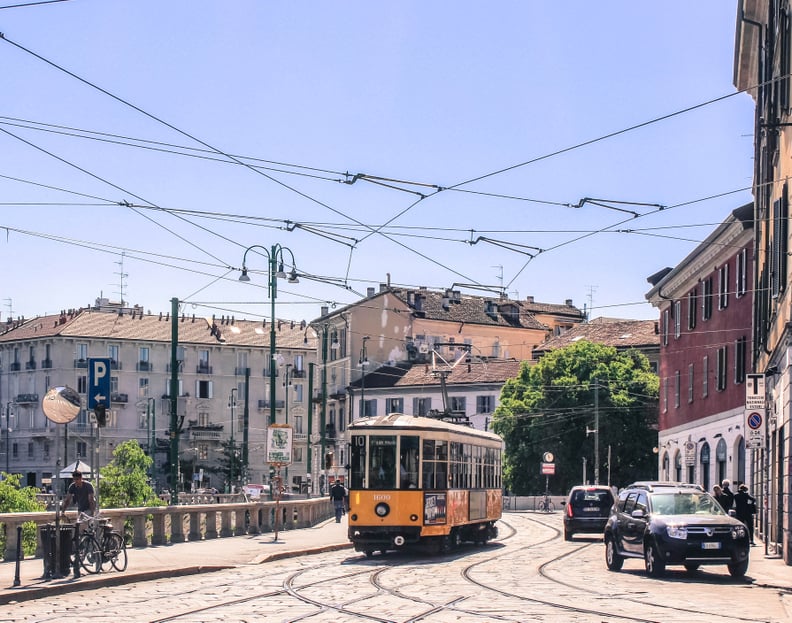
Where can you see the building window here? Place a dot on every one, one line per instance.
(692, 308)
(298, 392)
(394, 405)
(706, 299)
(368, 408)
(203, 419)
(677, 319)
(778, 245)
(30, 449)
(691, 384)
(722, 361)
(458, 404)
(82, 352)
(740, 346)
(741, 274)
(665, 395)
(421, 406)
(705, 377)
(298, 424)
(114, 384)
(723, 287)
(203, 389)
(242, 363)
(666, 325)
(82, 384)
(297, 455)
(485, 404)
(113, 353)
(143, 388)
(677, 388)
(82, 450)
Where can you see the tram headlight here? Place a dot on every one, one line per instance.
(382, 509)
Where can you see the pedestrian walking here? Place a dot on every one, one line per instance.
(728, 496)
(717, 493)
(745, 509)
(338, 495)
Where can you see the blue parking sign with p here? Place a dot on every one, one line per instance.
(98, 382)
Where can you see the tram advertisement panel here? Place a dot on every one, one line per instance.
(434, 509)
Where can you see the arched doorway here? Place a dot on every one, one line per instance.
(704, 458)
(678, 466)
(721, 458)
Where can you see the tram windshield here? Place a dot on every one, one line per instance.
(382, 461)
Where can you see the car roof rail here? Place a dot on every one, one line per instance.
(652, 485)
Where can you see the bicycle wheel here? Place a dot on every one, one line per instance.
(89, 553)
(115, 547)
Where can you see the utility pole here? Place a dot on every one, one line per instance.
(174, 401)
(596, 433)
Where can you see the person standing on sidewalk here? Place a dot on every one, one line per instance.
(82, 493)
(338, 495)
(727, 499)
(745, 508)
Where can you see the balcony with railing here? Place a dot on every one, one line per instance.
(265, 404)
(298, 374)
(14, 366)
(46, 364)
(22, 399)
(115, 365)
(203, 368)
(30, 365)
(118, 397)
(144, 366)
(80, 363)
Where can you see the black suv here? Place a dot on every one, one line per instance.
(587, 510)
(668, 523)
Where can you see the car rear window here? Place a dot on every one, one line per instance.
(602, 499)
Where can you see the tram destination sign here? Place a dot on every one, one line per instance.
(754, 392)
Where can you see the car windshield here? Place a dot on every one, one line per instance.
(687, 503)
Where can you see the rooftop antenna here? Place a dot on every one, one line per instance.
(590, 297)
(500, 274)
(10, 305)
(122, 275)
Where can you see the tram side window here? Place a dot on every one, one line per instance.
(358, 462)
(435, 464)
(408, 462)
(382, 461)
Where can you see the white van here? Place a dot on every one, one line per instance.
(255, 491)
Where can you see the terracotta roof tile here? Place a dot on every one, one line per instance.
(610, 332)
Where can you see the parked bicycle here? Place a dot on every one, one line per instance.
(546, 504)
(98, 545)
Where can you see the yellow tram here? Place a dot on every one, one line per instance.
(422, 481)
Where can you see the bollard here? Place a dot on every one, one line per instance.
(17, 582)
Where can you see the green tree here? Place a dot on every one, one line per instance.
(17, 499)
(124, 482)
(551, 404)
(229, 464)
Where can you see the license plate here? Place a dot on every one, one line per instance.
(591, 509)
(711, 545)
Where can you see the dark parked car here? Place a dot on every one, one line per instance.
(674, 524)
(587, 510)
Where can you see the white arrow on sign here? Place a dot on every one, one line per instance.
(99, 397)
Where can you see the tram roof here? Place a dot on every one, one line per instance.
(401, 420)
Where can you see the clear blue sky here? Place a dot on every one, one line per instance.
(517, 109)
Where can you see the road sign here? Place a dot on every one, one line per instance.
(755, 392)
(98, 382)
(548, 469)
(755, 426)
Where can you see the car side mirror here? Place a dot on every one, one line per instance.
(637, 514)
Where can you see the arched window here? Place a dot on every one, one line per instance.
(741, 459)
(721, 456)
(704, 458)
(666, 469)
(678, 466)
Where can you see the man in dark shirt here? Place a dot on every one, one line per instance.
(338, 495)
(727, 500)
(81, 493)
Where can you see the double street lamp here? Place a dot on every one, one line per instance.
(276, 270)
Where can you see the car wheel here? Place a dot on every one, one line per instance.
(567, 535)
(692, 566)
(739, 569)
(655, 566)
(612, 557)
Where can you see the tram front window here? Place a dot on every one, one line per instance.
(382, 462)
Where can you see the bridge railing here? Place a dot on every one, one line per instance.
(162, 525)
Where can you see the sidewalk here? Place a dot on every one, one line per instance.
(176, 560)
(223, 553)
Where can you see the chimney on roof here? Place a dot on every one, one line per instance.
(569, 302)
(657, 327)
(370, 291)
(324, 310)
(529, 299)
(383, 287)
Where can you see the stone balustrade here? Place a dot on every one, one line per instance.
(162, 525)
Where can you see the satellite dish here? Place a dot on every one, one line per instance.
(61, 404)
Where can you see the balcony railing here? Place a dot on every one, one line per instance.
(266, 372)
(26, 398)
(30, 365)
(115, 365)
(80, 363)
(205, 435)
(46, 364)
(15, 366)
(298, 374)
(265, 404)
(203, 368)
(118, 397)
(144, 366)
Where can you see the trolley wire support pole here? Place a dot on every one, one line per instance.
(276, 481)
(17, 581)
